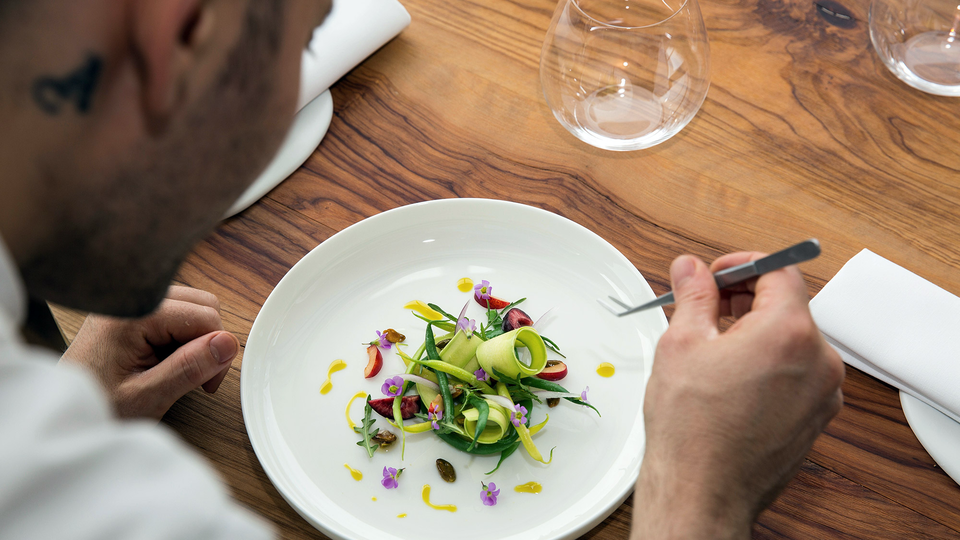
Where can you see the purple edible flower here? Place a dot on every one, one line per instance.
(468, 326)
(519, 416)
(583, 395)
(382, 338)
(481, 375)
(435, 416)
(483, 290)
(392, 387)
(390, 476)
(489, 494)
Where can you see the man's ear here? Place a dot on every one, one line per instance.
(169, 36)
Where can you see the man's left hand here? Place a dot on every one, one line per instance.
(145, 365)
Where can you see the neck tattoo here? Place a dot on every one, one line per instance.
(51, 93)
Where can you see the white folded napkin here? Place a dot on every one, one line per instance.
(353, 30)
(893, 324)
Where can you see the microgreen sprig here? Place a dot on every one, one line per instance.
(364, 429)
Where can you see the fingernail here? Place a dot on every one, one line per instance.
(682, 270)
(224, 347)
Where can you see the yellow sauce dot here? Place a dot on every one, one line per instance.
(335, 366)
(349, 403)
(529, 487)
(426, 499)
(423, 309)
(357, 475)
(465, 284)
(374, 499)
(605, 369)
(401, 515)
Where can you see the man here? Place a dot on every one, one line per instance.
(129, 127)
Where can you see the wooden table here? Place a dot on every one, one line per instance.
(804, 133)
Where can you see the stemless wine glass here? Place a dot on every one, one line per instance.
(919, 41)
(625, 74)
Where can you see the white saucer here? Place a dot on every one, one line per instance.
(938, 433)
(308, 129)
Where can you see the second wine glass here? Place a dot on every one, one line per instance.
(625, 74)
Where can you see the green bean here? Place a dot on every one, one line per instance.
(462, 374)
(481, 449)
(430, 344)
(484, 411)
(537, 382)
(445, 394)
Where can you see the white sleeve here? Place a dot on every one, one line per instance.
(69, 470)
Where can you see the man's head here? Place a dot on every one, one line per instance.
(129, 127)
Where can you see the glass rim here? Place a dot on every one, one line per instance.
(576, 3)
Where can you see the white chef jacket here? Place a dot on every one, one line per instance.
(69, 470)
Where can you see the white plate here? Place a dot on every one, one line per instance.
(306, 132)
(357, 282)
(938, 433)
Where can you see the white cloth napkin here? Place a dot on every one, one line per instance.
(353, 30)
(893, 324)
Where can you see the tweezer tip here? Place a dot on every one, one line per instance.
(608, 307)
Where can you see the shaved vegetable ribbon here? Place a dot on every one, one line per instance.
(500, 354)
(486, 420)
(440, 366)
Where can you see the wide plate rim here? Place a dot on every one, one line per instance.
(333, 529)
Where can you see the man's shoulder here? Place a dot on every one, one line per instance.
(71, 469)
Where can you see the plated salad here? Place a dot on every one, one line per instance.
(473, 387)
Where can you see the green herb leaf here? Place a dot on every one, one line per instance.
(439, 310)
(364, 430)
(582, 403)
(518, 390)
(509, 307)
(553, 346)
(505, 454)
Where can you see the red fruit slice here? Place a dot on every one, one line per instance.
(375, 362)
(408, 407)
(515, 318)
(554, 371)
(492, 303)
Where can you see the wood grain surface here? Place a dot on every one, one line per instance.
(804, 133)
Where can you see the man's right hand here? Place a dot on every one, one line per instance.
(730, 416)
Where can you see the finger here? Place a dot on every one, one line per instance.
(735, 259)
(179, 321)
(194, 296)
(780, 286)
(740, 304)
(697, 298)
(213, 384)
(190, 366)
(784, 287)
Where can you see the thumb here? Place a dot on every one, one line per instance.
(696, 295)
(191, 365)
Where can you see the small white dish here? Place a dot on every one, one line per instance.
(309, 127)
(357, 281)
(937, 432)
